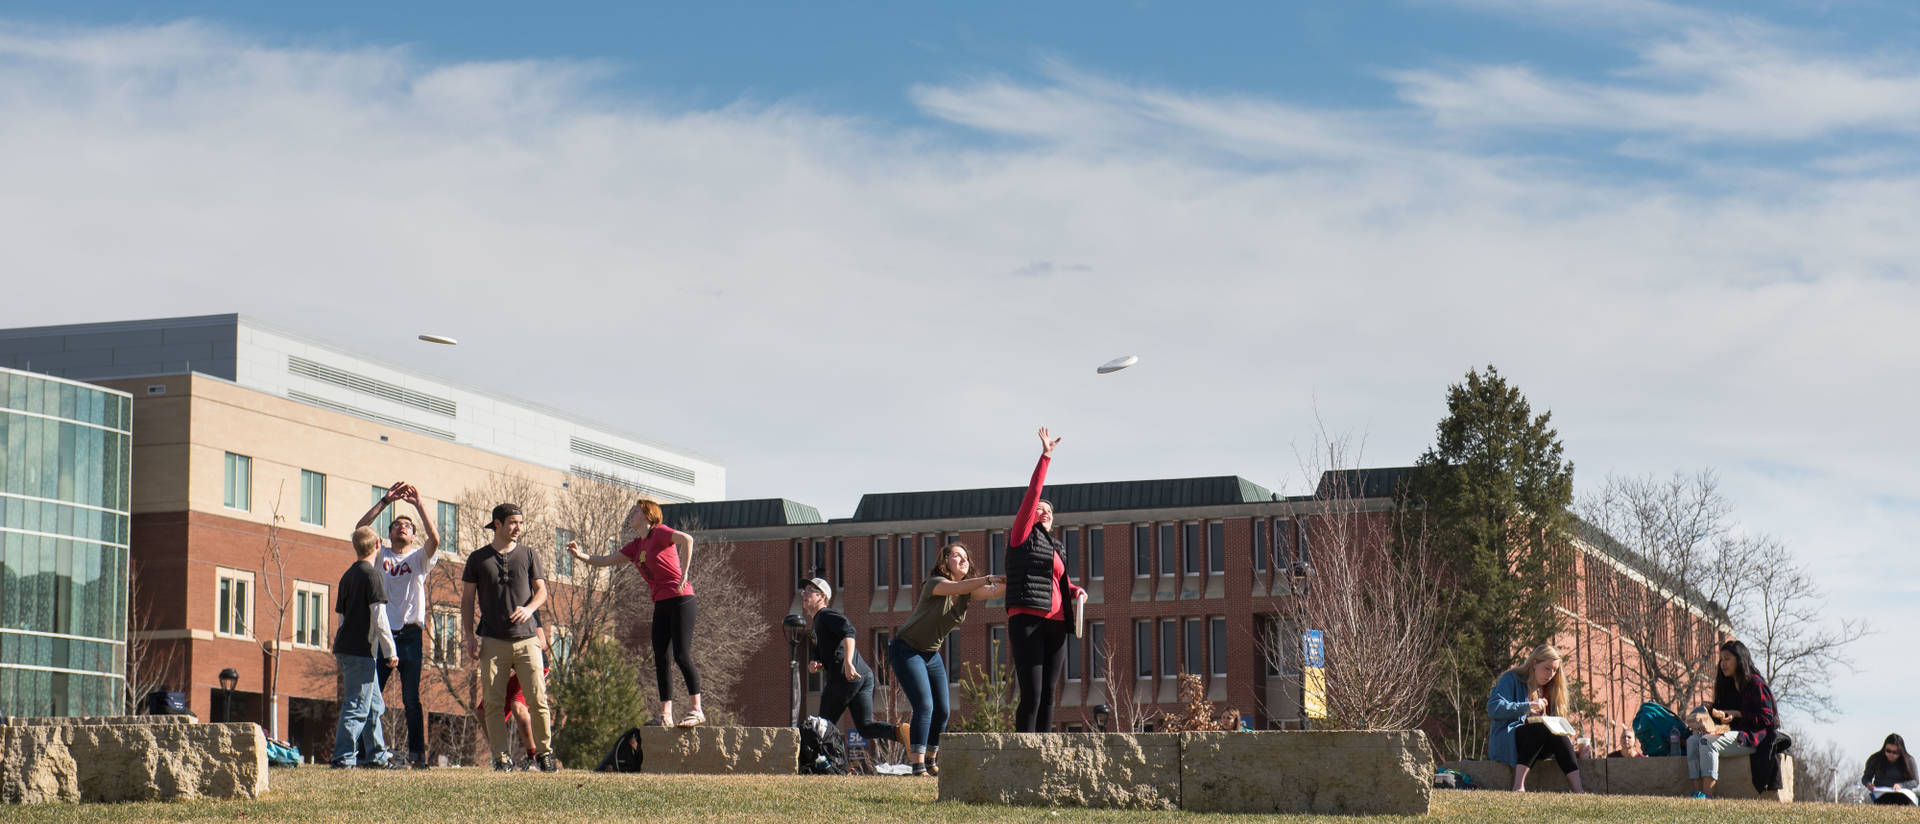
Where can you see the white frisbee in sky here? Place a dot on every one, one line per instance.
(1117, 364)
(439, 339)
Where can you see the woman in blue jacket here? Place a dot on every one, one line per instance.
(1516, 736)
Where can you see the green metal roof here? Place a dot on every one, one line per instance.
(739, 514)
(1089, 497)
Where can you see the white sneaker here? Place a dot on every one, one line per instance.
(694, 719)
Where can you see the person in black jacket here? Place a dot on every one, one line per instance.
(847, 681)
(1039, 612)
(1891, 776)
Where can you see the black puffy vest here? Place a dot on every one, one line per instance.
(1030, 571)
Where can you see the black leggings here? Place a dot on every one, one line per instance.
(1534, 742)
(1039, 651)
(838, 695)
(673, 626)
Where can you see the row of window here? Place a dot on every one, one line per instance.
(238, 494)
(311, 609)
(902, 560)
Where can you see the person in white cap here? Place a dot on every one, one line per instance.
(847, 680)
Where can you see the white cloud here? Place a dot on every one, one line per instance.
(830, 306)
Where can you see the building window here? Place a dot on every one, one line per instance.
(947, 651)
(449, 524)
(1300, 550)
(446, 636)
(1217, 646)
(385, 518)
(1283, 544)
(1260, 555)
(1143, 648)
(903, 573)
(799, 563)
(997, 553)
(839, 563)
(239, 494)
(1075, 652)
(1216, 547)
(929, 551)
(234, 604)
(313, 498)
(1196, 662)
(1071, 538)
(1169, 647)
(1190, 549)
(1169, 555)
(881, 552)
(1096, 553)
(1097, 644)
(1142, 551)
(310, 615)
(820, 559)
(562, 559)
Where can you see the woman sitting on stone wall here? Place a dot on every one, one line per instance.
(1521, 701)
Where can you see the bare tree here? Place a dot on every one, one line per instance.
(273, 568)
(153, 664)
(1821, 770)
(1799, 650)
(1684, 576)
(1375, 595)
(1123, 705)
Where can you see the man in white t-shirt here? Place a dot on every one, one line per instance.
(404, 565)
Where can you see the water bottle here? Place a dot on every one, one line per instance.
(1675, 745)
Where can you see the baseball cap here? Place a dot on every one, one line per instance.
(820, 584)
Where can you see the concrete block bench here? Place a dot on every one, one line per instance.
(1352, 773)
(1665, 775)
(132, 758)
(721, 750)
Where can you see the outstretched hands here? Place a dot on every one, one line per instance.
(1046, 443)
(573, 548)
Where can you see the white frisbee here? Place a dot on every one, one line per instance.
(1117, 364)
(439, 339)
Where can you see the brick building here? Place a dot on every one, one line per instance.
(1183, 575)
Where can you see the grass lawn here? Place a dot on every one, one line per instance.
(469, 796)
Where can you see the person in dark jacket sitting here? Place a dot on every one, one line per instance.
(1891, 775)
(1039, 596)
(1741, 700)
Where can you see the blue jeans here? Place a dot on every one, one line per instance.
(1704, 751)
(360, 710)
(407, 641)
(923, 677)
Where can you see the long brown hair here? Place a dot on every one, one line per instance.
(940, 564)
(1555, 691)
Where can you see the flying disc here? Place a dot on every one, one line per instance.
(1117, 364)
(439, 339)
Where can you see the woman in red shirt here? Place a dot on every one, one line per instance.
(1039, 596)
(662, 554)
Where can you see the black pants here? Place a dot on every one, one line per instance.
(673, 627)
(407, 647)
(1039, 651)
(837, 695)
(1533, 742)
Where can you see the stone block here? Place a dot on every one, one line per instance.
(1062, 769)
(131, 761)
(1343, 773)
(1545, 777)
(1666, 775)
(721, 750)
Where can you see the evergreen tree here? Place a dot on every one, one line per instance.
(600, 694)
(1495, 490)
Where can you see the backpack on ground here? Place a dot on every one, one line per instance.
(282, 754)
(625, 755)
(1655, 725)
(821, 750)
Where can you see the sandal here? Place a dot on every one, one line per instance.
(694, 719)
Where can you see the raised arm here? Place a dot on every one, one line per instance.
(432, 543)
(1025, 518)
(393, 494)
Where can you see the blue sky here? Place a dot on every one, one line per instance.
(1683, 228)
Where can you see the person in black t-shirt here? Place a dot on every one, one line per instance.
(362, 637)
(847, 680)
(505, 580)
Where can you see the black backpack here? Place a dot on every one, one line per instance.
(625, 755)
(822, 750)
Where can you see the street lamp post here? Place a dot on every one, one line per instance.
(1100, 714)
(229, 678)
(796, 629)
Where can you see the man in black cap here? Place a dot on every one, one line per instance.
(506, 580)
(847, 680)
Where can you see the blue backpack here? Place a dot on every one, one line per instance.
(1654, 725)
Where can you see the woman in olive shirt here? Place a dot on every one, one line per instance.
(914, 651)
